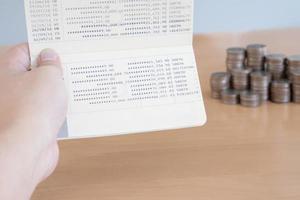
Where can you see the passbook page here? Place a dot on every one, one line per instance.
(129, 65)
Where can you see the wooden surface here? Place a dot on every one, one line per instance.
(240, 154)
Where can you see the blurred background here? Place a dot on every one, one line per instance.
(210, 16)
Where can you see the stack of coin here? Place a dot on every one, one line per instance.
(235, 58)
(256, 56)
(253, 77)
(260, 84)
(241, 78)
(276, 65)
(219, 82)
(281, 91)
(250, 99)
(296, 85)
(230, 97)
(293, 63)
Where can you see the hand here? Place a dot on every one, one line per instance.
(33, 107)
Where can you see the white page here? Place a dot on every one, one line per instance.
(129, 65)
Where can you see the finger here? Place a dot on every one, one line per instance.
(49, 57)
(49, 60)
(16, 59)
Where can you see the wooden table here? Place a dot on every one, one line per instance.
(240, 154)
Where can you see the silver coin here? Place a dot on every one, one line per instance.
(241, 72)
(295, 76)
(281, 91)
(241, 78)
(219, 81)
(230, 97)
(260, 83)
(293, 60)
(257, 49)
(281, 84)
(276, 65)
(261, 76)
(275, 58)
(236, 51)
(235, 58)
(256, 56)
(250, 99)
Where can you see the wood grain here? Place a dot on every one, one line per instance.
(240, 154)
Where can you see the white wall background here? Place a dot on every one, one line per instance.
(210, 16)
(243, 15)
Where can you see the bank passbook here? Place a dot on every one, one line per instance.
(129, 66)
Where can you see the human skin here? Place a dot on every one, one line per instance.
(33, 107)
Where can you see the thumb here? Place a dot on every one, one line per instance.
(49, 58)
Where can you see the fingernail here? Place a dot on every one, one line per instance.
(48, 55)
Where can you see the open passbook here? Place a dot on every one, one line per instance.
(129, 65)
